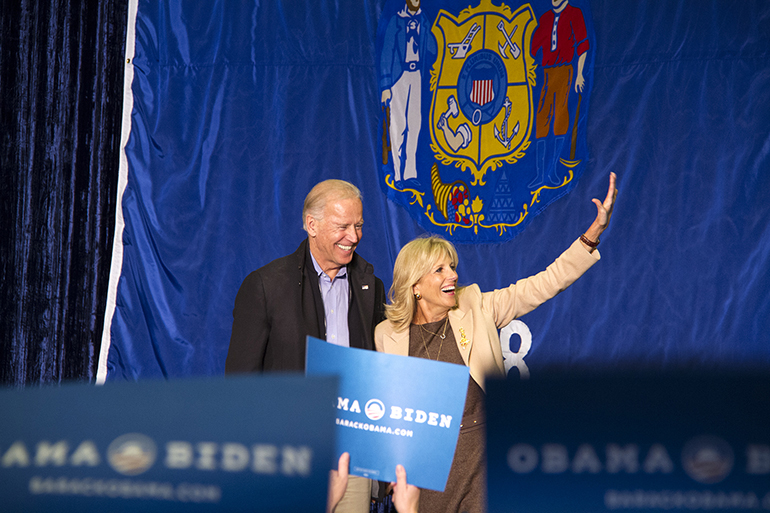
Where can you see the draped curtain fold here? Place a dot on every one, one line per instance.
(61, 95)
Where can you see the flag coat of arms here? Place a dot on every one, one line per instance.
(496, 139)
(482, 108)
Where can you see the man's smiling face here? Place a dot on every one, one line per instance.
(335, 235)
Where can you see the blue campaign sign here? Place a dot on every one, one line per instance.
(393, 410)
(261, 444)
(639, 443)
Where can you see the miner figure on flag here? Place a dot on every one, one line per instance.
(561, 34)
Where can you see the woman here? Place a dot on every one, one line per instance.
(429, 317)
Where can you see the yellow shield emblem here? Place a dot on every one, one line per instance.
(482, 109)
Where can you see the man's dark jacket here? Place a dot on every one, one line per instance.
(279, 304)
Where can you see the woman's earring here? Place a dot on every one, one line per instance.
(417, 296)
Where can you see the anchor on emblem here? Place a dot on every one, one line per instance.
(502, 135)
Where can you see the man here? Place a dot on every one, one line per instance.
(406, 47)
(560, 35)
(324, 289)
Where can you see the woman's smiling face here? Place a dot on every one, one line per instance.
(437, 289)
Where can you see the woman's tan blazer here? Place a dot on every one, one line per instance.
(479, 315)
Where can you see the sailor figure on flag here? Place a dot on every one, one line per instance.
(408, 44)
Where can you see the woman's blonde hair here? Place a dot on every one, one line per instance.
(413, 262)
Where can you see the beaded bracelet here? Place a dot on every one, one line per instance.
(588, 242)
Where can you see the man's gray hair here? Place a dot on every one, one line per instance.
(316, 199)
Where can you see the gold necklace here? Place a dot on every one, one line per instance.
(443, 333)
(442, 337)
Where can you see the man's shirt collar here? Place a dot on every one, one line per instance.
(341, 273)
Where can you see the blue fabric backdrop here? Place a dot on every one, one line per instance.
(239, 108)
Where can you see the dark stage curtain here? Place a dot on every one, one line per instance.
(61, 95)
